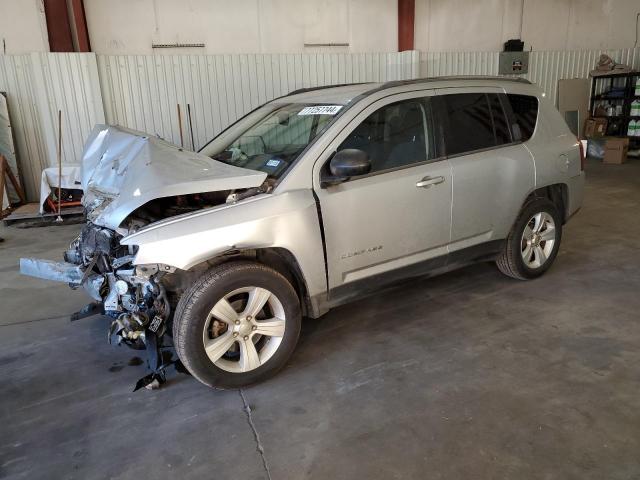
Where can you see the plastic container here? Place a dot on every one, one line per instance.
(632, 128)
(638, 86)
(635, 108)
(610, 110)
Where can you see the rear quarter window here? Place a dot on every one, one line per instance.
(525, 112)
(473, 121)
(500, 122)
(468, 124)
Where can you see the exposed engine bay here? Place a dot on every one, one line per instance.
(133, 296)
(137, 297)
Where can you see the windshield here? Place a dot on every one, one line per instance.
(271, 138)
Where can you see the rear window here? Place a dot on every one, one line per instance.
(525, 111)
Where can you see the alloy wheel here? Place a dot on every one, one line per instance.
(244, 329)
(538, 239)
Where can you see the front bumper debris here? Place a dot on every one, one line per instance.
(50, 270)
(133, 297)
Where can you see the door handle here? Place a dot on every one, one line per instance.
(426, 182)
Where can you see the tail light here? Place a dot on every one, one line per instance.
(582, 155)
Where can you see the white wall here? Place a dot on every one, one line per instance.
(284, 26)
(22, 26)
(241, 26)
(580, 24)
(472, 25)
(465, 25)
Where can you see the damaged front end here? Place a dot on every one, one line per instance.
(133, 296)
(130, 181)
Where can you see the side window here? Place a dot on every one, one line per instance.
(525, 112)
(500, 123)
(394, 136)
(469, 126)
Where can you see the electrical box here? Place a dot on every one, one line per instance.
(513, 63)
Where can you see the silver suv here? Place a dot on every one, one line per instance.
(308, 202)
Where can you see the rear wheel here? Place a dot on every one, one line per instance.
(533, 243)
(237, 325)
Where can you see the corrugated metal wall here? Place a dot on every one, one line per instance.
(437, 64)
(37, 86)
(16, 79)
(142, 92)
(545, 68)
(68, 82)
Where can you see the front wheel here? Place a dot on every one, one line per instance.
(533, 243)
(237, 325)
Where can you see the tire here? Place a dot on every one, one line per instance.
(242, 285)
(539, 252)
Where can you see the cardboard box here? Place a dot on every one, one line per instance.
(595, 127)
(615, 150)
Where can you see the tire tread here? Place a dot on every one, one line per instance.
(190, 299)
(509, 261)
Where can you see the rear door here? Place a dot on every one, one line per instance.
(396, 219)
(492, 172)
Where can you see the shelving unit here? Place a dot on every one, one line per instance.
(616, 90)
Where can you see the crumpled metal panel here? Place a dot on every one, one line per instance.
(93, 284)
(50, 270)
(123, 169)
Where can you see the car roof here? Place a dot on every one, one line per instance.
(340, 94)
(345, 93)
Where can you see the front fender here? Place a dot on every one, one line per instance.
(288, 220)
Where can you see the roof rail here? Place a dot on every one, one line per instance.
(322, 87)
(395, 83)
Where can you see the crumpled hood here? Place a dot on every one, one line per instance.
(123, 169)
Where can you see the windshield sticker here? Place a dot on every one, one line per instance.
(320, 110)
(273, 163)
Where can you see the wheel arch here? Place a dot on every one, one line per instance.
(557, 193)
(284, 262)
(280, 259)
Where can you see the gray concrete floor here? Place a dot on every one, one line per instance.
(468, 375)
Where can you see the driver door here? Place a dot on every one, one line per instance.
(395, 221)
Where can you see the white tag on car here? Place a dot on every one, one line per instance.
(320, 110)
